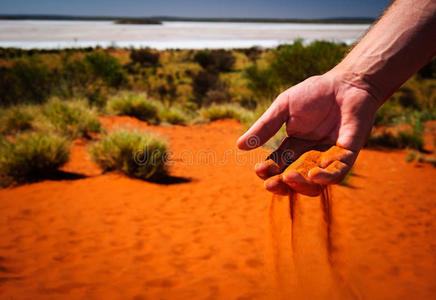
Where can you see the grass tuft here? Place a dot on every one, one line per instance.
(174, 115)
(225, 111)
(17, 119)
(135, 154)
(135, 105)
(412, 156)
(403, 139)
(73, 119)
(29, 157)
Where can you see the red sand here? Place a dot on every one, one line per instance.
(111, 237)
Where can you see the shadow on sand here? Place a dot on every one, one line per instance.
(168, 180)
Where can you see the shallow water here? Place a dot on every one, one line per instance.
(184, 35)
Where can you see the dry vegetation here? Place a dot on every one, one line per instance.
(62, 92)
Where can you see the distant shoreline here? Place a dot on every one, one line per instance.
(159, 20)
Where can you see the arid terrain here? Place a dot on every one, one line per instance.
(206, 233)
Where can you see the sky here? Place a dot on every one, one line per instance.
(303, 9)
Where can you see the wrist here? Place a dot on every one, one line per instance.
(353, 76)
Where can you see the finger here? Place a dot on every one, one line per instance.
(299, 184)
(276, 185)
(267, 169)
(333, 174)
(290, 150)
(277, 161)
(267, 125)
(357, 121)
(336, 153)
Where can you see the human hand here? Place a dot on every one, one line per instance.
(319, 112)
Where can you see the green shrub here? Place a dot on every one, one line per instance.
(208, 88)
(71, 118)
(216, 60)
(135, 105)
(410, 139)
(17, 118)
(403, 139)
(410, 156)
(31, 157)
(252, 53)
(135, 154)
(225, 111)
(262, 82)
(204, 81)
(173, 115)
(28, 80)
(390, 113)
(97, 97)
(291, 64)
(427, 159)
(145, 57)
(296, 62)
(106, 67)
(74, 76)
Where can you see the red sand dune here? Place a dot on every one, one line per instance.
(111, 237)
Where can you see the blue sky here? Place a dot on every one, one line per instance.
(200, 8)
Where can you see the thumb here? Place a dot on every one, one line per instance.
(267, 125)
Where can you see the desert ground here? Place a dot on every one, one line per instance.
(212, 231)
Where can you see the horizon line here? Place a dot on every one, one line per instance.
(168, 18)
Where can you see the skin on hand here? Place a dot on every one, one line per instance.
(338, 108)
(319, 112)
(309, 172)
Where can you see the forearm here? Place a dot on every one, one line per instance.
(394, 49)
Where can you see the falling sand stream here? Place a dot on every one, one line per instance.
(302, 248)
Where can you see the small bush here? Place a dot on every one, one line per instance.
(208, 88)
(262, 82)
(294, 63)
(26, 81)
(75, 75)
(215, 61)
(16, 119)
(145, 57)
(226, 111)
(203, 82)
(73, 118)
(137, 155)
(390, 113)
(217, 96)
(403, 139)
(30, 157)
(173, 116)
(410, 139)
(252, 53)
(411, 156)
(135, 105)
(106, 67)
(97, 97)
